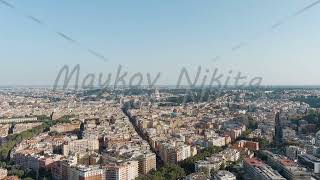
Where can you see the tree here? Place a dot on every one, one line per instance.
(167, 172)
(144, 177)
(172, 172)
(16, 172)
(3, 164)
(28, 178)
(206, 171)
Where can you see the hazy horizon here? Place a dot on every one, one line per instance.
(274, 40)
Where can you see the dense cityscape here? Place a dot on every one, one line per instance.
(159, 90)
(160, 133)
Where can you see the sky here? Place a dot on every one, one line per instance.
(160, 37)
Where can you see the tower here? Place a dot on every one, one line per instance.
(278, 130)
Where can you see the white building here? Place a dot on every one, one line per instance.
(224, 175)
(186, 152)
(132, 170)
(122, 171)
(3, 173)
(81, 145)
(83, 172)
(216, 141)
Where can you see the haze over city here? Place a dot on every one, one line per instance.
(159, 90)
(257, 38)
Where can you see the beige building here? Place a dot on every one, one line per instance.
(147, 162)
(82, 145)
(3, 173)
(216, 141)
(171, 154)
(122, 171)
(4, 130)
(69, 127)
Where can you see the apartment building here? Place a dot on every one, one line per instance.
(287, 168)
(147, 162)
(3, 173)
(122, 171)
(224, 175)
(82, 145)
(257, 170)
(85, 173)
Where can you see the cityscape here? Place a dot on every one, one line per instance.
(161, 133)
(159, 90)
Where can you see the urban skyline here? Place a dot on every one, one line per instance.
(159, 90)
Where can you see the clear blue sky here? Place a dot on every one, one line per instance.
(160, 36)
